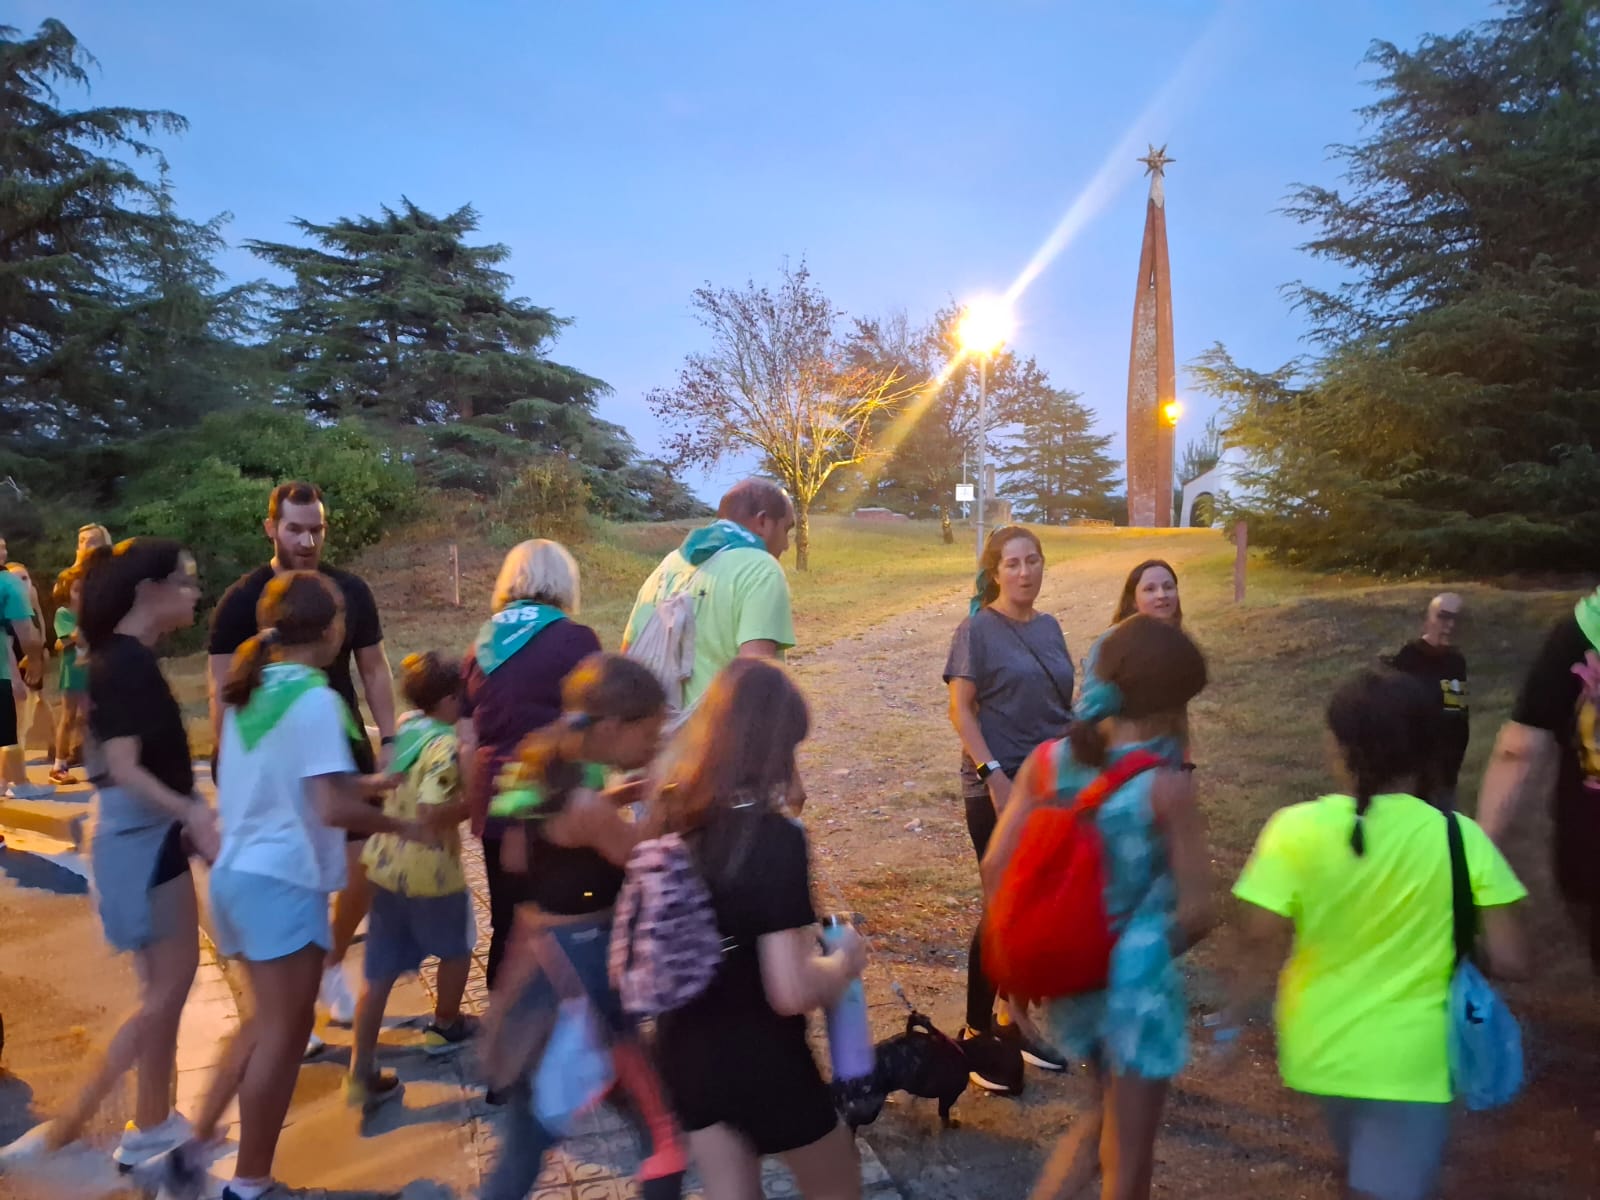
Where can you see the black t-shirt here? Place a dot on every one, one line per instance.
(758, 871)
(129, 697)
(234, 623)
(1444, 670)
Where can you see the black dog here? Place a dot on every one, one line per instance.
(922, 1061)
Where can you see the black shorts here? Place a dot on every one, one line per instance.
(766, 1088)
(8, 715)
(173, 860)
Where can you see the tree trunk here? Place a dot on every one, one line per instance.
(802, 535)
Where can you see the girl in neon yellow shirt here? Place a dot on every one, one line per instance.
(1361, 883)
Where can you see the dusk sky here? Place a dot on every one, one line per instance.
(912, 152)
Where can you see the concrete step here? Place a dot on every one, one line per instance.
(65, 820)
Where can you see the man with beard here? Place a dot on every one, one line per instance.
(296, 525)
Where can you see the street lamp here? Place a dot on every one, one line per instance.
(984, 328)
(1172, 411)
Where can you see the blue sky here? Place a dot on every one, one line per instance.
(913, 151)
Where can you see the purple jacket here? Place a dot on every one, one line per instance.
(523, 695)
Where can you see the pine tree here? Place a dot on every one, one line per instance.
(1449, 415)
(1057, 466)
(73, 222)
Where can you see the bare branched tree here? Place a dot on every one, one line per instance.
(777, 381)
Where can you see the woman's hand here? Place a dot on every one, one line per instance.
(420, 831)
(200, 826)
(999, 785)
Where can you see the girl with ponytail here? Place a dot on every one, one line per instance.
(1352, 895)
(289, 793)
(148, 820)
(1157, 896)
(568, 840)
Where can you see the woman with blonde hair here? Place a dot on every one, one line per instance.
(511, 686)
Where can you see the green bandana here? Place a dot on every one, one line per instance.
(281, 685)
(700, 545)
(509, 630)
(523, 801)
(1588, 614)
(415, 735)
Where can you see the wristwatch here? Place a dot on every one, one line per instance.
(987, 769)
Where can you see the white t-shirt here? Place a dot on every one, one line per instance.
(269, 824)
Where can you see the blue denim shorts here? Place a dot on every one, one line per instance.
(404, 930)
(259, 919)
(586, 944)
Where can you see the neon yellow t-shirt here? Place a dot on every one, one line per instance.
(741, 595)
(1361, 1007)
(414, 868)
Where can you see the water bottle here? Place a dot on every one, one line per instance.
(849, 1033)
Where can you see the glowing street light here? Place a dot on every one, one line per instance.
(1172, 411)
(985, 327)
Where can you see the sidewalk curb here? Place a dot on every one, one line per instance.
(62, 821)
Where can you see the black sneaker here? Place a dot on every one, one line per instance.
(440, 1039)
(1046, 1058)
(992, 1063)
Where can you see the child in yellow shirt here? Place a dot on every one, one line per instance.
(420, 904)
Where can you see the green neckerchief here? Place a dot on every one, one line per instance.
(1588, 614)
(521, 800)
(281, 685)
(509, 630)
(416, 733)
(715, 537)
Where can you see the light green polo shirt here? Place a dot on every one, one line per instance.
(1361, 1005)
(741, 595)
(14, 606)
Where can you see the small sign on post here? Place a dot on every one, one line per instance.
(455, 572)
(965, 493)
(1241, 556)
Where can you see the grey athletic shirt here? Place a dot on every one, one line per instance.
(1024, 678)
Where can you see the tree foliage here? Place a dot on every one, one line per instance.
(1057, 466)
(777, 382)
(1201, 453)
(1448, 416)
(112, 317)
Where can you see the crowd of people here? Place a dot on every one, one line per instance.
(567, 762)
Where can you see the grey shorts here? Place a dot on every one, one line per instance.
(139, 875)
(404, 930)
(1390, 1149)
(260, 919)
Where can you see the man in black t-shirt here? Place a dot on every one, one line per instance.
(1554, 732)
(1434, 660)
(297, 527)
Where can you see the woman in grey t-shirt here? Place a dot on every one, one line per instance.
(1010, 680)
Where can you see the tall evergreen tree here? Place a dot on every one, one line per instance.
(1449, 416)
(1056, 466)
(75, 223)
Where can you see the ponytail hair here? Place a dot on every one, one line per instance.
(295, 609)
(1145, 669)
(1384, 724)
(602, 687)
(111, 579)
(986, 588)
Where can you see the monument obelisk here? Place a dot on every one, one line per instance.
(1152, 377)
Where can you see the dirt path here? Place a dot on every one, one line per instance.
(890, 842)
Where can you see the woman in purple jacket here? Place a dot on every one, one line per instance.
(512, 685)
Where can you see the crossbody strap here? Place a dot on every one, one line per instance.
(1464, 911)
(1048, 673)
(1098, 790)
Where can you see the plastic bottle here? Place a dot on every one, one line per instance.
(849, 1032)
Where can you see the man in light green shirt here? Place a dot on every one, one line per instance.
(16, 616)
(741, 595)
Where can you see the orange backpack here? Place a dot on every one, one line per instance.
(1046, 932)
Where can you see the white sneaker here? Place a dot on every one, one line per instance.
(31, 791)
(142, 1146)
(314, 1047)
(336, 997)
(31, 1147)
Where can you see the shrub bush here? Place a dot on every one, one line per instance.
(549, 498)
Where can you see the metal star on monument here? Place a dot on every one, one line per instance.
(1155, 163)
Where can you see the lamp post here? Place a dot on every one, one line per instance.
(984, 328)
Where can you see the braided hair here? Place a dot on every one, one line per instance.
(1384, 723)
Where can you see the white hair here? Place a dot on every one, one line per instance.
(539, 570)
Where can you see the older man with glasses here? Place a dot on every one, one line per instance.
(1435, 660)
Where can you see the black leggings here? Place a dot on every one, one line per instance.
(981, 820)
(506, 891)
